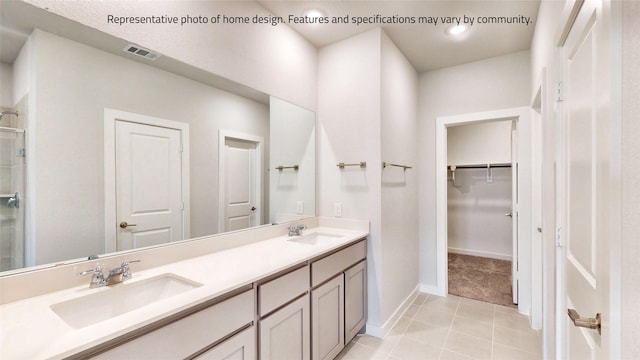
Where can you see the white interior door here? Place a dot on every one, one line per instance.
(241, 183)
(585, 158)
(148, 171)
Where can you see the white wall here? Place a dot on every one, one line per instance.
(367, 112)
(486, 143)
(476, 222)
(292, 128)
(496, 83)
(349, 131)
(6, 85)
(74, 83)
(399, 104)
(476, 219)
(273, 59)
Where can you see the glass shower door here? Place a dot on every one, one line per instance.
(12, 186)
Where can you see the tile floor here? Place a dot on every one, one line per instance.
(452, 328)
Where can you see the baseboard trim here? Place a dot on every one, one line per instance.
(382, 331)
(485, 254)
(432, 290)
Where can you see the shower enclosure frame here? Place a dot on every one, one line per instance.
(12, 188)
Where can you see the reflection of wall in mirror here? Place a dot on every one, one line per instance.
(292, 192)
(74, 84)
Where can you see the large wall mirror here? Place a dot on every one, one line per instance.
(122, 152)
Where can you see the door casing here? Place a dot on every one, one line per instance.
(523, 116)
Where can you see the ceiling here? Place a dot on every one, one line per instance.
(427, 46)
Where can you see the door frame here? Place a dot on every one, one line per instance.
(110, 204)
(259, 184)
(525, 258)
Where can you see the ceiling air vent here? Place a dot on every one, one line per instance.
(140, 51)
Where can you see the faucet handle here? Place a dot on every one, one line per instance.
(97, 279)
(126, 263)
(96, 270)
(126, 272)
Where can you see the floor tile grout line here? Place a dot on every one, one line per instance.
(444, 344)
(388, 354)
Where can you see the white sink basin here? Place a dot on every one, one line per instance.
(103, 305)
(317, 238)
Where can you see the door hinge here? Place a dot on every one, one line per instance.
(559, 92)
(20, 152)
(181, 148)
(559, 237)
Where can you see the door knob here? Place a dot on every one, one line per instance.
(124, 225)
(591, 323)
(253, 208)
(509, 214)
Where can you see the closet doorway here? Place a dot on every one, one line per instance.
(482, 216)
(522, 249)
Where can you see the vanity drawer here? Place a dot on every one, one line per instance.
(188, 335)
(328, 267)
(278, 292)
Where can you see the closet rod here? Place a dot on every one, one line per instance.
(479, 166)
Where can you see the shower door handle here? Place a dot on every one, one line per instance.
(125, 225)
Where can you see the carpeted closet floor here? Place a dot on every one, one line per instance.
(480, 278)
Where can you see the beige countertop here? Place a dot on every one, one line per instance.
(30, 329)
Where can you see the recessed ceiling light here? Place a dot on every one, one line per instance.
(313, 13)
(456, 29)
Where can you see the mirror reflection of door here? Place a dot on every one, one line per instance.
(148, 185)
(241, 183)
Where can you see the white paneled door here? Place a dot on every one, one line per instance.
(148, 185)
(584, 175)
(240, 182)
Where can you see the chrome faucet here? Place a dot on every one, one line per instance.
(97, 280)
(116, 275)
(296, 230)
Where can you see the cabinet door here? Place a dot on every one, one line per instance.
(327, 309)
(355, 302)
(240, 347)
(285, 334)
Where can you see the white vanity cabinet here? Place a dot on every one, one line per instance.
(306, 311)
(328, 318)
(355, 299)
(338, 300)
(239, 347)
(284, 327)
(189, 335)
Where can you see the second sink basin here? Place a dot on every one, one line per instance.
(103, 305)
(316, 238)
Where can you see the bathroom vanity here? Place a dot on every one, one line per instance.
(284, 297)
